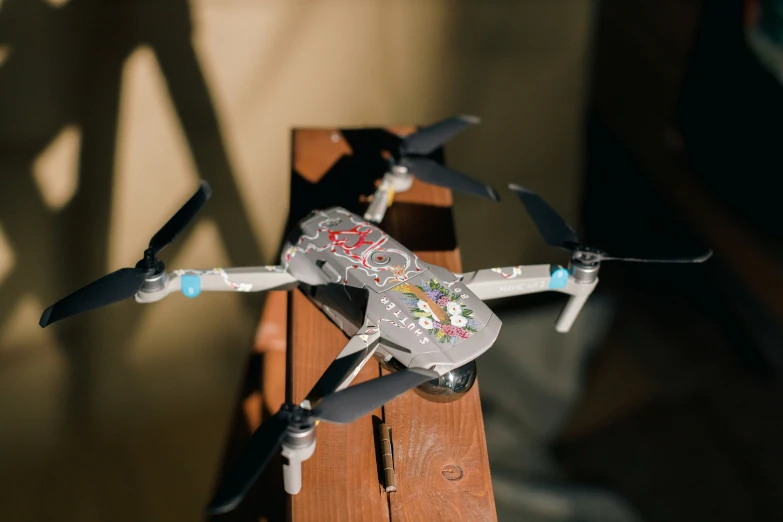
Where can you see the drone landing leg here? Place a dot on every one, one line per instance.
(392, 183)
(292, 466)
(570, 312)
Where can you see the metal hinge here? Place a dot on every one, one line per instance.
(387, 458)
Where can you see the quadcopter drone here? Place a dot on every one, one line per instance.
(423, 323)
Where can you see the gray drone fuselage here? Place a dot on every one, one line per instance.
(368, 283)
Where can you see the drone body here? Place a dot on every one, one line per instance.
(370, 285)
(392, 305)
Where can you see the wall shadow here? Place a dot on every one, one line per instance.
(65, 67)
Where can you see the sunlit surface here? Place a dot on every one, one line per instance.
(7, 258)
(55, 170)
(297, 64)
(155, 174)
(5, 50)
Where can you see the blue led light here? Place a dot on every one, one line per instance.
(191, 285)
(559, 278)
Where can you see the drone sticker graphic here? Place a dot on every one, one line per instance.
(422, 322)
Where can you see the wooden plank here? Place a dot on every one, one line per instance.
(441, 461)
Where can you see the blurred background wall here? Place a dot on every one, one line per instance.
(110, 111)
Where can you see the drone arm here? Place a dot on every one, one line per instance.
(338, 375)
(192, 282)
(518, 280)
(381, 201)
(348, 363)
(509, 281)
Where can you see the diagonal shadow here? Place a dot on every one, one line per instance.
(65, 67)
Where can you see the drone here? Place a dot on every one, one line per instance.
(421, 322)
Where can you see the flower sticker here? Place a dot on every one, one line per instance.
(434, 295)
(458, 320)
(426, 322)
(438, 309)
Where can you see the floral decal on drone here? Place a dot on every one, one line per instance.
(439, 310)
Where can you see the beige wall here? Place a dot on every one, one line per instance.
(125, 410)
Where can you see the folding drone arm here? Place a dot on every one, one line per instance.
(348, 363)
(518, 280)
(192, 282)
(338, 375)
(397, 180)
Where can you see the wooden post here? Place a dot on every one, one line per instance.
(441, 468)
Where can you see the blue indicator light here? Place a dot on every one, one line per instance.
(191, 285)
(559, 278)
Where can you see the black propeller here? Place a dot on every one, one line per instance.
(413, 149)
(342, 407)
(559, 234)
(126, 282)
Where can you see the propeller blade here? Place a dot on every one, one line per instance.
(117, 286)
(264, 443)
(699, 259)
(428, 139)
(550, 224)
(354, 402)
(180, 220)
(433, 172)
